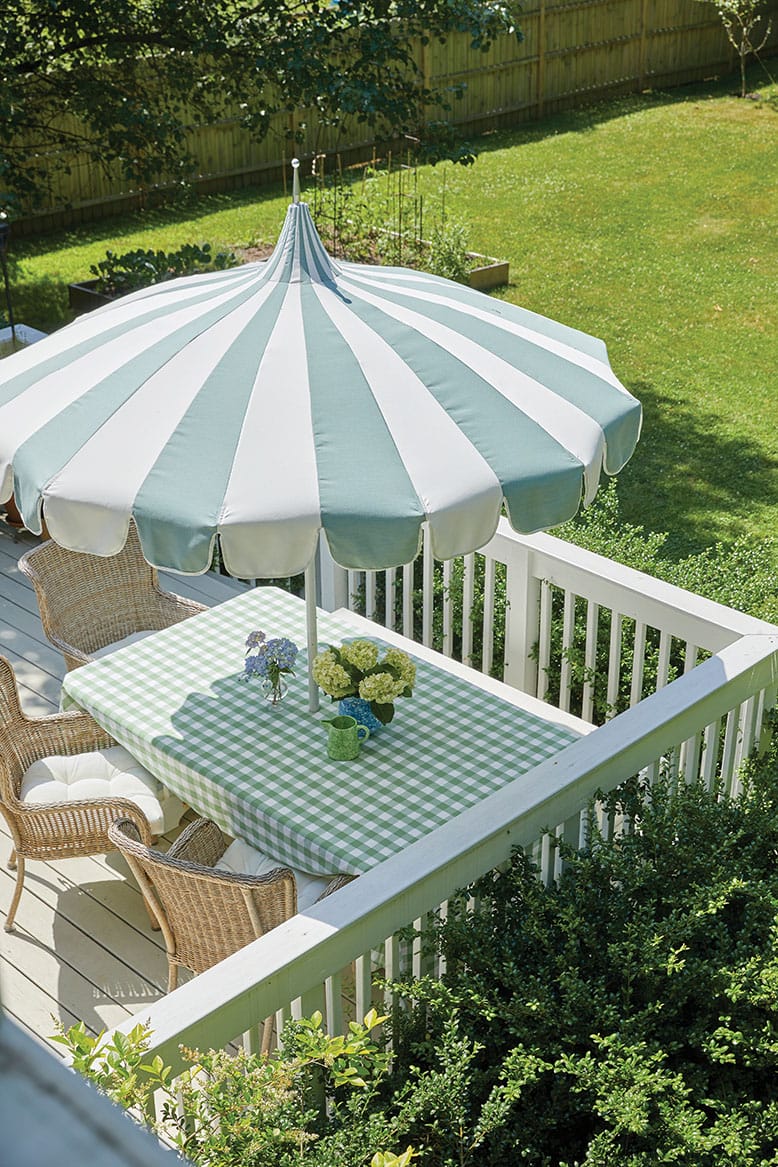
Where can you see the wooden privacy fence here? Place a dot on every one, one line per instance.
(573, 51)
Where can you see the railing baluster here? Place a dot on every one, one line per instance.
(731, 734)
(568, 632)
(370, 594)
(390, 582)
(748, 731)
(487, 659)
(590, 661)
(548, 854)
(333, 996)
(408, 601)
(638, 663)
(544, 643)
(468, 596)
(710, 754)
(363, 982)
(689, 752)
(428, 592)
(353, 590)
(447, 647)
(663, 668)
(614, 666)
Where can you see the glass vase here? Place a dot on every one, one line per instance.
(274, 691)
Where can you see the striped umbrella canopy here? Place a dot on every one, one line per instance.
(266, 403)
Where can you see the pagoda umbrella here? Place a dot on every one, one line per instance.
(265, 404)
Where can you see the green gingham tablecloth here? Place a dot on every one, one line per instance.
(176, 701)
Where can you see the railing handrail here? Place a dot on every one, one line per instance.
(625, 590)
(228, 999)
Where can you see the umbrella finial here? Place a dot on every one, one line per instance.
(296, 180)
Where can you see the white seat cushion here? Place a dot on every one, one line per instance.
(131, 639)
(102, 774)
(241, 859)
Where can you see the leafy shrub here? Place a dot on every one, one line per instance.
(313, 1102)
(629, 1015)
(447, 254)
(118, 274)
(742, 575)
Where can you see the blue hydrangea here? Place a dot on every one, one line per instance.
(268, 658)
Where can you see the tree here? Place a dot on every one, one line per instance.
(123, 80)
(741, 20)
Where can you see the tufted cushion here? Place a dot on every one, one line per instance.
(117, 644)
(102, 774)
(241, 859)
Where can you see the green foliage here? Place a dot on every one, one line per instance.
(119, 274)
(380, 217)
(447, 254)
(122, 81)
(309, 1103)
(743, 576)
(118, 1068)
(628, 1015)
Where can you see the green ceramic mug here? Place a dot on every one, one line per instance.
(345, 737)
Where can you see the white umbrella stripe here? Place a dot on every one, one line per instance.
(566, 352)
(273, 488)
(461, 511)
(573, 429)
(92, 326)
(24, 415)
(151, 414)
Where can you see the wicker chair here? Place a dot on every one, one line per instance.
(88, 602)
(53, 830)
(206, 914)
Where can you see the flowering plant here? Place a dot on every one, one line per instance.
(269, 659)
(357, 669)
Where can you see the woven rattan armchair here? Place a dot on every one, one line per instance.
(55, 831)
(206, 915)
(89, 601)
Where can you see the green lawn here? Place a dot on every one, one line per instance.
(651, 222)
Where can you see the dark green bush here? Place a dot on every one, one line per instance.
(628, 1016)
(118, 274)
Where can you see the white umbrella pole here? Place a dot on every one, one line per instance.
(311, 632)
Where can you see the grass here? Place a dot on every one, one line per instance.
(651, 222)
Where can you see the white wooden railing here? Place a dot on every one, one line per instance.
(701, 724)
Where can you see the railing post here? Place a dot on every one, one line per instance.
(522, 620)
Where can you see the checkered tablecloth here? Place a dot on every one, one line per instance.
(176, 702)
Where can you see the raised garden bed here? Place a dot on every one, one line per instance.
(84, 297)
(489, 273)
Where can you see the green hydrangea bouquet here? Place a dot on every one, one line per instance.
(360, 668)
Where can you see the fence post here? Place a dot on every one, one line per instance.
(642, 51)
(522, 620)
(541, 58)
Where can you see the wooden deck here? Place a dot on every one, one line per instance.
(82, 948)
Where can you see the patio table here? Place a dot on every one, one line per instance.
(176, 701)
